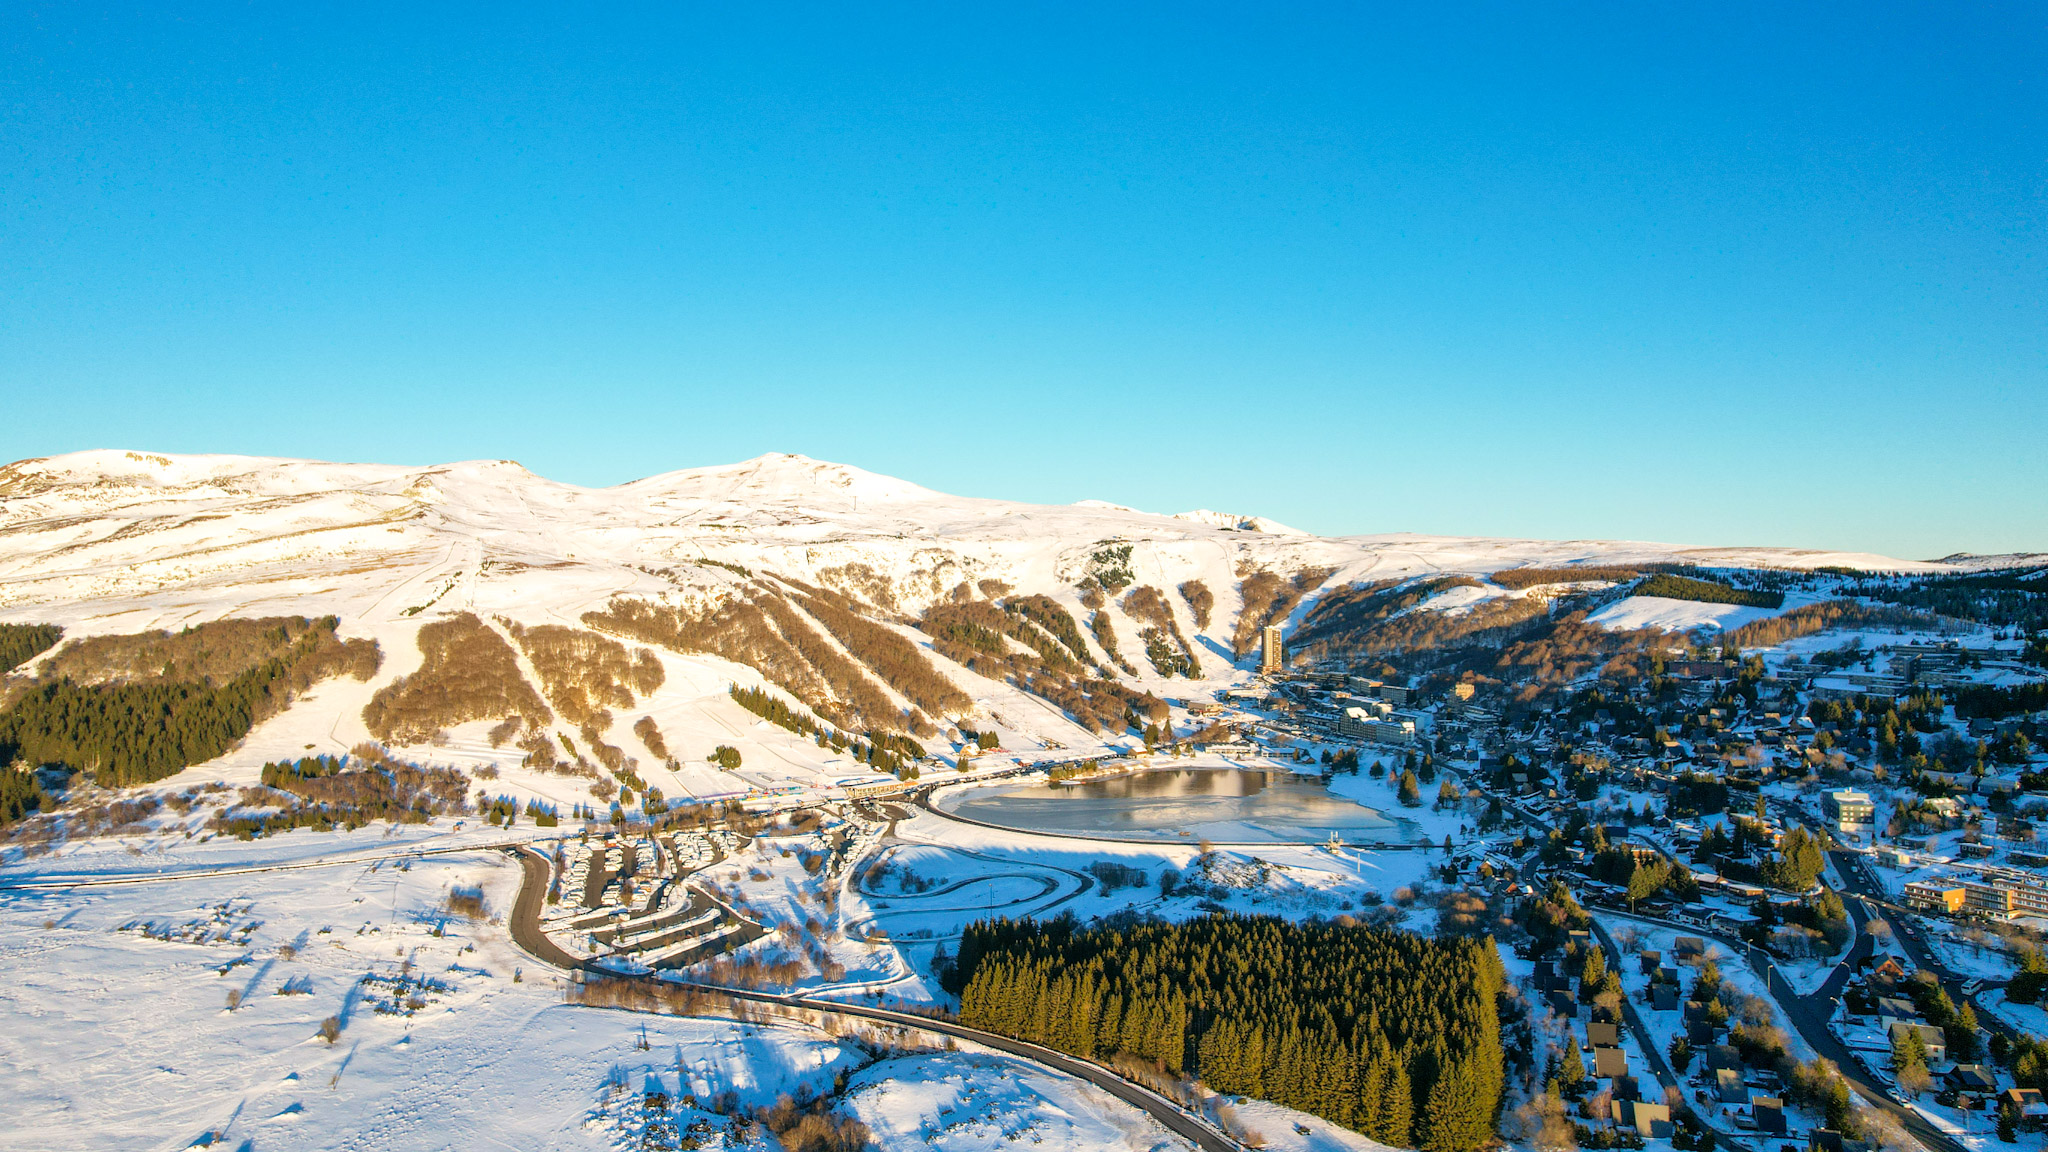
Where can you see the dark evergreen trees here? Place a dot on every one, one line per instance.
(1710, 591)
(1389, 1034)
(1410, 790)
(20, 643)
(140, 729)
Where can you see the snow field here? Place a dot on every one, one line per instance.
(1669, 615)
(152, 1056)
(962, 1101)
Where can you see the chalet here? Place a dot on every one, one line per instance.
(1930, 1036)
(1649, 1120)
(1609, 1062)
(1664, 997)
(1897, 1008)
(1974, 1079)
(1729, 1088)
(2026, 1101)
(1602, 1034)
(1650, 961)
(1689, 949)
(1768, 1112)
(1829, 1140)
(1885, 978)
(1733, 923)
(1723, 1056)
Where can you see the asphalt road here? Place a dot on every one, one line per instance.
(1808, 1015)
(1173, 1116)
(1906, 929)
(525, 918)
(526, 933)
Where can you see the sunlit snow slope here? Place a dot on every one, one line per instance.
(122, 542)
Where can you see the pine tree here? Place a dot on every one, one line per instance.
(1397, 1106)
(1593, 975)
(1454, 1119)
(1571, 1068)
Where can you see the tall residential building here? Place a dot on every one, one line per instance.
(1274, 653)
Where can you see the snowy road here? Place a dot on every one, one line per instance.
(525, 926)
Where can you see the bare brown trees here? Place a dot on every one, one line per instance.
(1520, 578)
(585, 674)
(650, 735)
(1268, 599)
(215, 653)
(892, 656)
(1149, 606)
(469, 673)
(762, 630)
(1812, 618)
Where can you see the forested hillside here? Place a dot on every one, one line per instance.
(135, 708)
(1387, 1033)
(20, 643)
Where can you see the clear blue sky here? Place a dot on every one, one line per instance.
(1706, 273)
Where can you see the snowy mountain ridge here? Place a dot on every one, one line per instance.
(119, 542)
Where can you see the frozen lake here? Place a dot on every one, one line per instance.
(1184, 804)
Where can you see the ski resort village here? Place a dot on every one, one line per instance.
(785, 806)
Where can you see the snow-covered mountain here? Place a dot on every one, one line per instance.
(1238, 523)
(109, 539)
(116, 542)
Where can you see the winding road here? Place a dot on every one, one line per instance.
(526, 933)
(1809, 1015)
(1176, 1119)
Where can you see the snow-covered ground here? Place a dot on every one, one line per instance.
(168, 850)
(189, 1012)
(1744, 988)
(2029, 1018)
(1668, 615)
(960, 1101)
(1966, 957)
(115, 542)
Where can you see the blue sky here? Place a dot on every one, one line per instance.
(1706, 273)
